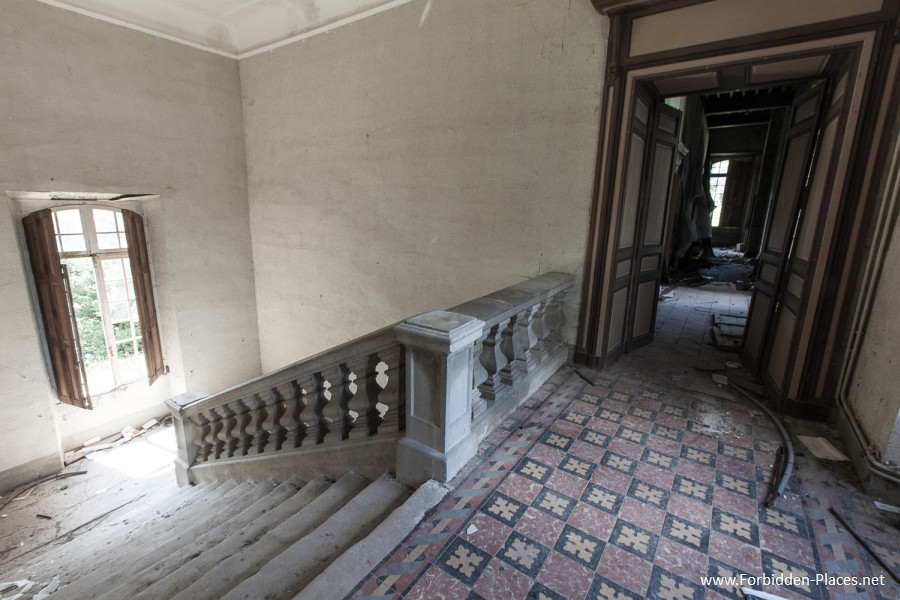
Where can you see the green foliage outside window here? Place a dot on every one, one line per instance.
(87, 310)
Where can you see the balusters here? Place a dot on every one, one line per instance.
(390, 404)
(298, 428)
(277, 409)
(479, 376)
(343, 394)
(493, 359)
(257, 427)
(202, 429)
(513, 347)
(321, 423)
(226, 435)
(244, 418)
(527, 339)
(539, 331)
(216, 444)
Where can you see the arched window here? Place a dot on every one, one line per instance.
(93, 280)
(718, 175)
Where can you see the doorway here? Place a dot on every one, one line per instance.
(789, 222)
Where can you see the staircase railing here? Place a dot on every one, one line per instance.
(415, 398)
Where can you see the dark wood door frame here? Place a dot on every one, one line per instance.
(623, 74)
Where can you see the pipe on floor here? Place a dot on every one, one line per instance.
(788, 454)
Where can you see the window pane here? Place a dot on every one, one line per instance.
(72, 243)
(130, 286)
(112, 269)
(132, 368)
(122, 331)
(123, 241)
(118, 312)
(115, 290)
(68, 221)
(719, 168)
(87, 311)
(125, 350)
(120, 223)
(104, 221)
(107, 241)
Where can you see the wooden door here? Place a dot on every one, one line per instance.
(761, 346)
(640, 235)
(808, 252)
(625, 239)
(648, 251)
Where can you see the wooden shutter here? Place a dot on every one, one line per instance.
(56, 310)
(143, 291)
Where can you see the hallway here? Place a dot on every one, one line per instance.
(639, 485)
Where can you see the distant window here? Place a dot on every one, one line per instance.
(93, 280)
(718, 173)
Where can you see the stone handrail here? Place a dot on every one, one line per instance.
(438, 382)
(349, 392)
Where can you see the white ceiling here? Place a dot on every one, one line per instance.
(235, 28)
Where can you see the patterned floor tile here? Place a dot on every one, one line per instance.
(634, 539)
(618, 490)
(580, 546)
(685, 532)
(534, 470)
(606, 589)
(693, 489)
(566, 577)
(464, 561)
(597, 495)
(524, 554)
(736, 527)
(504, 508)
(594, 437)
(619, 462)
(649, 494)
(668, 586)
(554, 504)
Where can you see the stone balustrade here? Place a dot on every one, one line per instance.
(415, 398)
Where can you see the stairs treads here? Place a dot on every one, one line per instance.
(169, 584)
(342, 575)
(286, 574)
(249, 560)
(276, 496)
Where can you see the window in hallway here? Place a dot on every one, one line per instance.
(718, 174)
(99, 315)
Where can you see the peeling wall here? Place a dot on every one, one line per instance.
(89, 106)
(417, 159)
(873, 392)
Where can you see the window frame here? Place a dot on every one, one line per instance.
(55, 298)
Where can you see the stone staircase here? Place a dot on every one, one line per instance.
(287, 540)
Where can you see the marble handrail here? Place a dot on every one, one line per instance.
(475, 362)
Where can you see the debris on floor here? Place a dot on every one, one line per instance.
(822, 448)
(728, 330)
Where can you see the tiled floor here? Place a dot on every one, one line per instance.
(637, 485)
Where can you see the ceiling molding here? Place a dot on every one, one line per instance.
(254, 36)
(147, 30)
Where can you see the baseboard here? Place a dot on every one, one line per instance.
(30, 471)
(878, 479)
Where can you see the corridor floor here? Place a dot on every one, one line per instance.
(641, 483)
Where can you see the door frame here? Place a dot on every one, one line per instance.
(873, 32)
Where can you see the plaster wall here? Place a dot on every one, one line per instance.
(89, 106)
(873, 393)
(418, 159)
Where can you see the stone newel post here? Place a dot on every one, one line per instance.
(439, 354)
(184, 435)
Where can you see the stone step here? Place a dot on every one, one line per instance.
(131, 553)
(286, 574)
(241, 565)
(174, 573)
(351, 567)
(61, 554)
